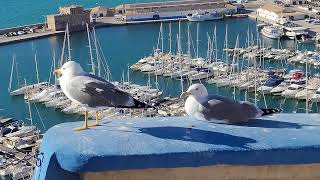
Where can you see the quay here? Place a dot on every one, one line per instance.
(36, 35)
(76, 16)
(274, 147)
(130, 14)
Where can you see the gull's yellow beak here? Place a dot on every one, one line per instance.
(184, 94)
(57, 72)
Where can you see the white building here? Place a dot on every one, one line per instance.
(172, 9)
(102, 11)
(294, 2)
(277, 14)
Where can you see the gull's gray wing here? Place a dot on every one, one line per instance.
(224, 108)
(94, 91)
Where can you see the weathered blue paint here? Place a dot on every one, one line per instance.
(121, 144)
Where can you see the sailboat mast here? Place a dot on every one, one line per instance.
(29, 105)
(93, 69)
(215, 43)
(234, 62)
(54, 66)
(226, 44)
(197, 40)
(189, 42)
(17, 73)
(209, 47)
(170, 38)
(63, 49)
(68, 41)
(11, 74)
(36, 64)
(307, 99)
(161, 31)
(179, 36)
(97, 51)
(255, 80)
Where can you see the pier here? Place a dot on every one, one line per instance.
(25, 37)
(274, 147)
(76, 17)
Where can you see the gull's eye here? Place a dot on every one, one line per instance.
(197, 89)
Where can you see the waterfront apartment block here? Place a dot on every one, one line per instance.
(277, 14)
(172, 9)
(75, 16)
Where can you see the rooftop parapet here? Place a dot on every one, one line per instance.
(73, 9)
(282, 146)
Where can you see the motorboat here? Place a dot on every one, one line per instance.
(310, 89)
(270, 83)
(276, 91)
(206, 16)
(23, 90)
(202, 74)
(272, 32)
(307, 93)
(292, 90)
(316, 96)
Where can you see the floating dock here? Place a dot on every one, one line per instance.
(282, 146)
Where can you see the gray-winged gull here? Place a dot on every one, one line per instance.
(93, 92)
(220, 109)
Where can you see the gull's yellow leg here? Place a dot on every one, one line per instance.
(97, 120)
(85, 123)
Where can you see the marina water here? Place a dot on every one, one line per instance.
(122, 46)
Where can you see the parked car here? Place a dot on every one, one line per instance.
(20, 32)
(316, 22)
(26, 29)
(309, 20)
(118, 17)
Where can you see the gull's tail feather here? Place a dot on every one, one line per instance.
(269, 111)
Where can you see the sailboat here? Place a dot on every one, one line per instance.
(24, 89)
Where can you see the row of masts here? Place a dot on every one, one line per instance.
(255, 55)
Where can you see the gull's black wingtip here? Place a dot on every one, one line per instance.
(269, 111)
(139, 104)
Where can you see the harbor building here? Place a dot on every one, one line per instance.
(274, 13)
(172, 9)
(102, 11)
(294, 2)
(75, 16)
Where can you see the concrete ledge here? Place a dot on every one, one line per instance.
(135, 147)
(219, 172)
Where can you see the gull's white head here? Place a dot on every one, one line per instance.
(196, 90)
(69, 68)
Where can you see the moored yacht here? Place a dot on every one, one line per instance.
(270, 84)
(316, 96)
(276, 91)
(292, 90)
(206, 16)
(272, 32)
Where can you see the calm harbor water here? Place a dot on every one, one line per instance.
(16, 12)
(122, 46)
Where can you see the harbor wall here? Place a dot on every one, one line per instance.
(174, 148)
(19, 28)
